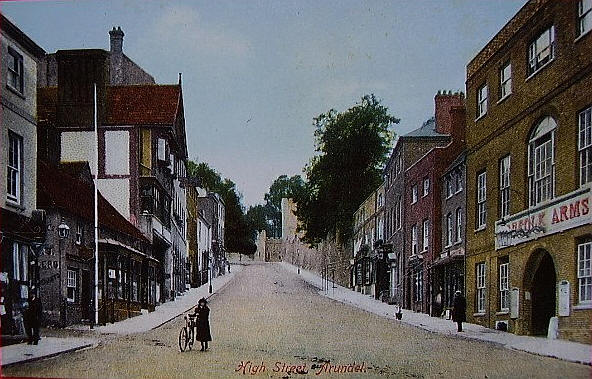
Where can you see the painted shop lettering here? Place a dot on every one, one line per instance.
(574, 210)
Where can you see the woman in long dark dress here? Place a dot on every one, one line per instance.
(203, 323)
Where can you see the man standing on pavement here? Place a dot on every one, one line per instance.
(32, 318)
(459, 309)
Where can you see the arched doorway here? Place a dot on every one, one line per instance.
(543, 292)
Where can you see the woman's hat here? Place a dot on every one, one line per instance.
(202, 300)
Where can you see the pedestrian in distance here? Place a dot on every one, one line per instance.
(459, 310)
(203, 323)
(32, 318)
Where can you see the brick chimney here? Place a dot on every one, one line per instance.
(444, 101)
(116, 40)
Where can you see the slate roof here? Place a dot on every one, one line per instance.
(143, 104)
(428, 129)
(55, 188)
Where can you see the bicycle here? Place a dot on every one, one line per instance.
(186, 335)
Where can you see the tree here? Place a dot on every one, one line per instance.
(283, 187)
(352, 147)
(237, 234)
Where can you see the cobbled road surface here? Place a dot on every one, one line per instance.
(266, 321)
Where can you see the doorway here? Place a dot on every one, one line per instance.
(543, 295)
(86, 296)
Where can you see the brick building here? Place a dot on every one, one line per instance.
(408, 150)
(529, 168)
(423, 207)
(21, 224)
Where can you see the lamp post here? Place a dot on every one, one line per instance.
(63, 233)
(210, 272)
(298, 259)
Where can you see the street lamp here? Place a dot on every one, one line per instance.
(210, 272)
(63, 233)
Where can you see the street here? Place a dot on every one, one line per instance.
(267, 322)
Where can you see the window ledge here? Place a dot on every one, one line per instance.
(481, 116)
(582, 35)
(15, 91)
(503, 98)
(479, 314)
(502, 313)
(539, 69)
(481, 228)
(582, 306)
(14, 204)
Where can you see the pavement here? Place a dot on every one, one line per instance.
(52, 346)
(47, 347)
(555, 348)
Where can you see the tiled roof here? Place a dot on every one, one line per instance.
(57, 189)
(428, 129)
(149, 104)
(142, 104)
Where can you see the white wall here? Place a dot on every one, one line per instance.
(79, 147)
(117, 152)
(117, 192)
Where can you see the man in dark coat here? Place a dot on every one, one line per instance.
(459, 309)
(32, 319)
(203, 323)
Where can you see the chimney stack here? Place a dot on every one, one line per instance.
(116, 40)
(444, 102)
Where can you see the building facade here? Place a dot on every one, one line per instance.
(142, 152)
(529, 172)
(21, 228)
(370, 273)
(66, 265)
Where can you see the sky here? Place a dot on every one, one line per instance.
(256, 73)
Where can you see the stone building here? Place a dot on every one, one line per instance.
(529, 169)
(21, 228)
(142, 151)
(66, 265)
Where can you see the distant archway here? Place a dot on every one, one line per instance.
(540, 280)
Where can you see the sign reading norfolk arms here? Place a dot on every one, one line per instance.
(562, 213)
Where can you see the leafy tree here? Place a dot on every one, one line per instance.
(257, 219)
(352, 147)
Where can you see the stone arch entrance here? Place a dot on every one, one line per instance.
(540, 281)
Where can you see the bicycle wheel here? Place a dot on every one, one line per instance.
(190, 339)
(183, 339)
